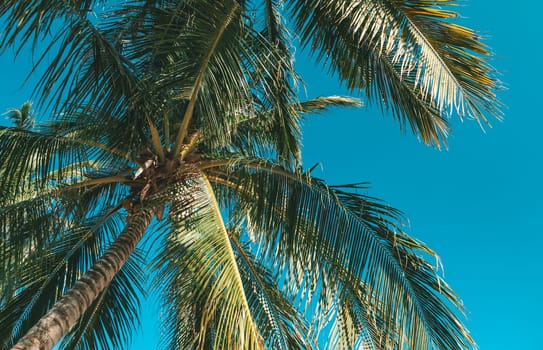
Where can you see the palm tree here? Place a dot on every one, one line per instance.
(178, 122)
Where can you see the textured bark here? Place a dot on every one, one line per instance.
(67, 310)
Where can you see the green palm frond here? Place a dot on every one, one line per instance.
(29, 20)
(24, 231)
(200, 248)
(77, 49)
(312, 225)
(58, 153)
(90, 67)
(31, 219)
(26, 155)
(252, 136)
(278, 93)
(22, 117)
(225, 17)
(205, 72)
(279, 323)
(344, 332)
(406, 55)
(180, 308)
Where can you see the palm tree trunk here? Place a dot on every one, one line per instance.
(67, 311)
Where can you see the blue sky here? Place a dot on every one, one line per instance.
(478, 204)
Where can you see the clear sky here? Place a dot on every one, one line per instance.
(479, 204)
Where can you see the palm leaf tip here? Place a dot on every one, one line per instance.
(453, 68)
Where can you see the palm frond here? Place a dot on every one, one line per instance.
(36, 158)
(90, 67)
(86, 64)
(189, 63)
(30, 219)
(302, 226)
(181, 310)
(29, 20)
(200, 248)
(24, 231)
(221, 23)
(277, 93)
(212, 78)
(407, 55)
(279, 323)
(23, 117)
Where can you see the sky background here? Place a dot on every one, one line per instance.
(479, 204)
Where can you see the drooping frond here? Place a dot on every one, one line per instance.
(30, 158)
(201, 275)
(29, 222)
(23, 232)
(321, 240)
(60, 153)
(27, 21)
(80, 60)
(407, 55)
(50, 177)
(281, 325)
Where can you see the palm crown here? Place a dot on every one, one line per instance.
(187, 112)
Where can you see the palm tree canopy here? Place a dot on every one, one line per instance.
(191, 108)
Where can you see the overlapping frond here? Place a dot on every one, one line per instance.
(29, 223)
(60, 153)
(30, 158)
(47, 272)
(27, 21)
(278, 94)
(50, 183)
(407, 55)
(202, 58)
(200, 255)
(321, 240)
(281, 325)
